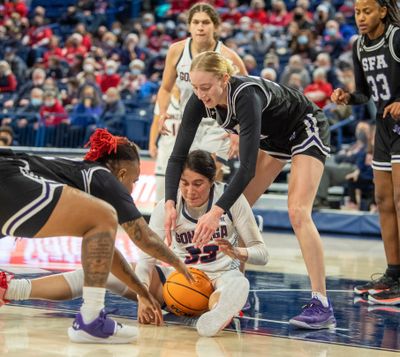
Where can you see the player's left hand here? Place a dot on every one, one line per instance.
(149, 310)
(227, 248)
(206, 226)
(392, 109)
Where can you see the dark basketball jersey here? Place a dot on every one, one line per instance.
(377, 69)
(90, 177)
(257, 109)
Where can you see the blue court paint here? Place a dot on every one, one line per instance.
(275, 298)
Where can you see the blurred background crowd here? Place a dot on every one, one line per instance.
(69, 66)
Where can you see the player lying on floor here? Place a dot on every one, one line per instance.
(219, 260)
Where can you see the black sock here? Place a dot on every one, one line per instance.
(393, 270)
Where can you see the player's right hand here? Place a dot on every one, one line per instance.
(340, 96)
(161, 124)
(183, 269)
(169, 220)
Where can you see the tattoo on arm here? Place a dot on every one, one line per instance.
(97, 254)
(124, 272)
(148, 241)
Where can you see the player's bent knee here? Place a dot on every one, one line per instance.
(75, 281)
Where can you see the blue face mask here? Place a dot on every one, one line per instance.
(110, 71)
(136, 72)
(36, 102)
(331, 32)
(302, 40)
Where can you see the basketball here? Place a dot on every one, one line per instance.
(185, 299)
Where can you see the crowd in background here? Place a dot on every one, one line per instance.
(85, 69)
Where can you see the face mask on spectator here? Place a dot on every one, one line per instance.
(302, 40)
(361, 135)
(245, 27)
(36, 102)
(88, 68)
(147, 23)
(110, 71)
(49, 102)
(181, 34)
(298, 17)
(136, 71)
(110, 43)
(331, 31)
(116, 31)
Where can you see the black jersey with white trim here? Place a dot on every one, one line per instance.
(256, 109)
(377, 69)
(90, 177)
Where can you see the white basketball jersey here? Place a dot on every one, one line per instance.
(183, 68)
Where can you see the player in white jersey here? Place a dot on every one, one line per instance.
(219, 260)
(160, 147)
(203, 22)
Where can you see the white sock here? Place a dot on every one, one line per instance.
(93, 302)
(320, 297)
(18, 289)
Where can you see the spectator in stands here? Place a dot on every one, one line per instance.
(70, 18)
(360, 182)
(295, 82)
(17, 64)
(52, 112)
(279, 16)
(73, 47)
(88, 109)
(69, 96)
(251, 65)
(332, 42)
(347, 30)
(32, 108)
(113, 111)
(345, 162)
(299, 16)
(321, 17)
(245, 35)
(260, 42)
(295, 65)
(55, 69)
(110, 77)
(257, 11)
(6, 135)
(231, 13)
(132, 81)
(86, 36)
(320, 90)
(8, 82)
(90, 66)
(269, 74)
(37, 38)
(271, 60)
(226, 31)
(304, 45)
(38, 77)
(53, 50)
(323, 60)
(131, 50)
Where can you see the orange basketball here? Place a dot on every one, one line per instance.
(185, 299)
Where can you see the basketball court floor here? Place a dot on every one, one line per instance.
(38, 328)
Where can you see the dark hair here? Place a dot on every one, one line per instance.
(393, 12)
(108, 149)
(202, 162)
(209, 10)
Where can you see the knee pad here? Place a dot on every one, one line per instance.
(75, 282)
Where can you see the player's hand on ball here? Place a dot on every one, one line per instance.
(340, 96)
(183, 269)
(149, 310)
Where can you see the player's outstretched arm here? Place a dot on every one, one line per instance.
(148, 241)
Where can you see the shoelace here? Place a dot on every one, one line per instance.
(105, 312)
(382, 278)
(312, 306)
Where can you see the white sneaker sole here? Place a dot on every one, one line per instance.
(211, 322)
(80, 336)
(324, 325)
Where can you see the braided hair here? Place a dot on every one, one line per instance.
(393, 12)
(108, 149)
